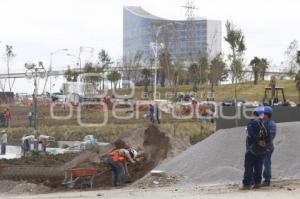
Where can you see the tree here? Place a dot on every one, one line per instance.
(114, 76)
(93, 74)
(203, 68)
(127, 67)
(164, 62)
(291, 56)
(146, 73)
(236, 40)
(217, 71)
(105, 62)
(264, 65)
(259, 67)
(71, 75)
(9, 54)
(255, 63)
(194, 75)
(177, 75)
(298, 57)
(297, 80)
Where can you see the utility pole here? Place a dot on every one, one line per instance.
(190, 16)
(36, 70)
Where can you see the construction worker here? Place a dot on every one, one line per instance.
(258, 141)
(30, 118)
(151, 113)
(8, 117)
(117, 160)
(44, 140)
(157, 112)
(272, 131)
(25, 144)
(3, 142)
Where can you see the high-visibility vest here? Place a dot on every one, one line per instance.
(116, 156)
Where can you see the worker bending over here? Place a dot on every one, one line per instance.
(117, 159)
(45, 141)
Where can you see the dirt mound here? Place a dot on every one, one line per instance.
(156, 147)
(153, 144)
(220, 158)
(13, 187)
(161, 143)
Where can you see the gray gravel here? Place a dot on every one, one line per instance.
(219, 158)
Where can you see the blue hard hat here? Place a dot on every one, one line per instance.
(259, 111)
(268, 110)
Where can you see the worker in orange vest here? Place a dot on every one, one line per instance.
(117, 159)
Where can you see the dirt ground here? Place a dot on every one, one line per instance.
(286, 190)
(153, 144)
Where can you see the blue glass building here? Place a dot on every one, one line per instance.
(184, 39)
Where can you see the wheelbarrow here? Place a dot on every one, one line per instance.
(85, 176)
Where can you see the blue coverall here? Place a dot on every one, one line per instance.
(255, 154)
(272, 131)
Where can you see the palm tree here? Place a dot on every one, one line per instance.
(297, 80)
(9, 55)
(105, 62)
(114, 76)
(71, 75)
(146, 73)
(255, 63)
(264, 65)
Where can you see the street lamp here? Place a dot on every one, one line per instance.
(81, 49)
(50, 69)
(37, 71)
(77, 57)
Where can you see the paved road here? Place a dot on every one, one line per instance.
(166, 193)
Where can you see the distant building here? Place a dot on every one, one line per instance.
(185, 40)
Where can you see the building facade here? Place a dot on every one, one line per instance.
(184, 40)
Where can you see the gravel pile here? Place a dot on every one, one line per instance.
(219, 158)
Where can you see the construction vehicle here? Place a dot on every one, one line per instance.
(277, 99)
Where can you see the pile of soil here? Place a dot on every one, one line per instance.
(161, 143)
(13, 187)
(153, 145)
(220, 158)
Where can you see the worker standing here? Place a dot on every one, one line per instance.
(258, 141)
(8, 116)
(3, 142)
(157, 112)
(117, 160)
(272, 131)
(30, 118)
(25, 144)
(151, 113)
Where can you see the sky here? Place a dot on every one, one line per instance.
(35, 28)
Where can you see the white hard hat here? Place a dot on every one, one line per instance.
(133, 153)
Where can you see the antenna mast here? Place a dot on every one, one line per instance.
(190, 9)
